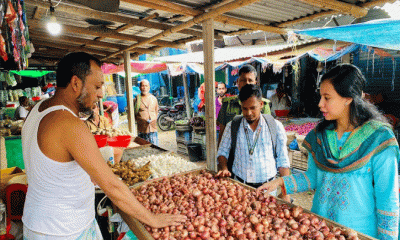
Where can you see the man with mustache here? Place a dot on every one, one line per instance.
(231, 106)
(61, 157)
(254, 160)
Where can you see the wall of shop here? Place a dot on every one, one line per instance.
(383, 77)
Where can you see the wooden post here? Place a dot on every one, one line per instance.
(187, 102)
(129, 93)
(170, 100)
(209, 79)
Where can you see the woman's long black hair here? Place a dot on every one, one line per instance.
(349, 82)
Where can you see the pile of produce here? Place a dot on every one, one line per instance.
(198, 122)
(166, 164)
(112, 132)
(302, 129)
(136, 153)
(129, 173)
(182, 122)
(219, 209)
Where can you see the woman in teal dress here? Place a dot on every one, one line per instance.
(353, 160)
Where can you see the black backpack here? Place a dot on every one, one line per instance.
(235, 128)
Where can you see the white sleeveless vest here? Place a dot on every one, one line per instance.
(60, 197)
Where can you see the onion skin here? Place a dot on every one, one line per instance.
(218, 209)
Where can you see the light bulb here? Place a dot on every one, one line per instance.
(53, 26)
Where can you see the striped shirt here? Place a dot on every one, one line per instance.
(262, 161)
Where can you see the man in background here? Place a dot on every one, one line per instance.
(280, 100)
(221, 92)
(146, 111)
(23, 109)
(253, 159)
(231, 106)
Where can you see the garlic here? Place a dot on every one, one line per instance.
(163, 165)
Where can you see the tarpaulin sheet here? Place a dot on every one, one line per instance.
(31, 73)
(331, 54)
(378, 33)
(136, 66)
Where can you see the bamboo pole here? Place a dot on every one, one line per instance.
(342, 7)
(129, 93)
(70, 48)
(195, 20)
(187, 101)
(91, 13)
(111, 34)
(209, 79)
(367, 5)
(175, 8)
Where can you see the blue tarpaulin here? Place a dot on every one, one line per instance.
(378, 33)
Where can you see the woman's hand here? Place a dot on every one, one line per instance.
(270, 186)
(165, 220)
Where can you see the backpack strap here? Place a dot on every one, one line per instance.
(234, 131)
(272, 126)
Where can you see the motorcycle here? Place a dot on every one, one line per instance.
(168, 115)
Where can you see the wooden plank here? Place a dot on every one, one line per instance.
(209, 79)
(70, 48)
(312, 17)
(341, 7)
(43, 34)
(179, 9)
(218, 11)
(109, 34)
(186, 90)
(116, 17)
(129, 93)
(39, 12)
(248, 24)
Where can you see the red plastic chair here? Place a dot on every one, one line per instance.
(15, 200)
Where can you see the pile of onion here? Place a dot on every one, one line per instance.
(220, 209)
(302, 129)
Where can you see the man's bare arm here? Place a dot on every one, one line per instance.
(80, 143)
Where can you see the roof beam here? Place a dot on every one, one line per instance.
(72, 48)
(341, 7)
(91, 13)
(87, 42)
(176, 8)
(59, 52)
(38, 13)
(195, 20)
(112, 34)
(367, 5)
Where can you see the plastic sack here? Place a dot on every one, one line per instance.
(3, 52)
(294, 145)
(128, 236)
(107, 153)
(10, 80)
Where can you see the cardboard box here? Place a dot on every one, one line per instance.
(10, 176)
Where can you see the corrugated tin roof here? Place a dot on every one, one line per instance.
(270, 13)
(230, 53)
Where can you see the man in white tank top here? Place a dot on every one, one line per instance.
(61, 158)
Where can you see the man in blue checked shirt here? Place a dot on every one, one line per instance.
(254, 162)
